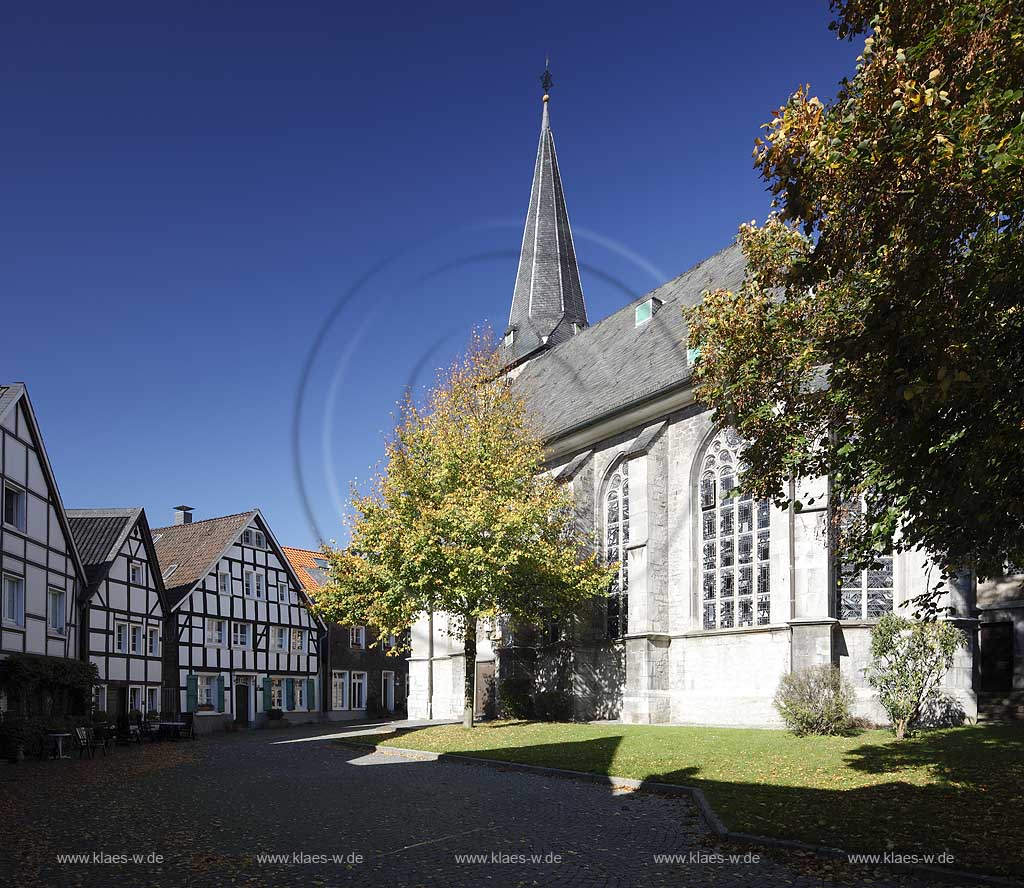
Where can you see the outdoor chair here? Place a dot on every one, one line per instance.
(148, 731)
(88, 742)
(188, 725)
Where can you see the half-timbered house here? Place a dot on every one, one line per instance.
(122, 614)
(362, 673)
(42, 573)
(241, 639)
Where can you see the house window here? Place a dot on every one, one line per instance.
(135, 699)
(15, 506)
(153, 641)
(616, 538)
(862, 594)
(152, 700)
(357, 637)
(121, 638)
(298, 641)
(734, 539)
(259, 585)
(282, 591)
(278, 638)
(339, 690)
(250, 584)
(241, 636)
(272, 593)
(359, 690)
(55, 599)
(276, 693)
(392, 641)
(99, 698)
(135, 639)
(246, 537)
(259, 540)
(136, 574)
(14, 600)
(216, 632)
(224, 583)
(206, 686)
(300, 693)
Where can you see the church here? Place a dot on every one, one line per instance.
(717, 597)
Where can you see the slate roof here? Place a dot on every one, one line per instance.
(548, 296)
(9, 395)
(194, 548)
(614, 364)
(99, 535)
(303, 562)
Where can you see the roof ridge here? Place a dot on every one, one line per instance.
(207, 520)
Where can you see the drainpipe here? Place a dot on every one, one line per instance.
(791, 515)
(430, 666)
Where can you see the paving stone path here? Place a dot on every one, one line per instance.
(340, 816)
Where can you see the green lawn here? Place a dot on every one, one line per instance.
(959, 790)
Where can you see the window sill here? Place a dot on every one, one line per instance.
(735, 630)
(14, 527)
(54, 633)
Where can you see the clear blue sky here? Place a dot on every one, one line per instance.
(190, 191)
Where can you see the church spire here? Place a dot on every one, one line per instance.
(547, 304)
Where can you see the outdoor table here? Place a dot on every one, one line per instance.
(174, 726)
(60, 744)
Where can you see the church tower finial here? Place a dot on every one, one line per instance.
(547, 303)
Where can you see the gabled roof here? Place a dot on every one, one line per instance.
(304, 563)
(615, 364)
(193, 549)
(10, 395)
(100, 534)
(547, 303)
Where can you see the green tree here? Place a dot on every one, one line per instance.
(909, 660)
(877, 337)
(463, 520)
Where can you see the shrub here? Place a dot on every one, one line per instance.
(152, 715)
(553, 706)
(514, 697)
(275, 714)
(910, 658)
(99, 716)
(815, 700)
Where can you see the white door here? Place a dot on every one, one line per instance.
(388, 690)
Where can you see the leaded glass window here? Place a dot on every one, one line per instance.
(616, 538)
(863, 594)
(734, 542)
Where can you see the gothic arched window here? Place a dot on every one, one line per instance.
(616, 537)
(734, 542)
(862, 594)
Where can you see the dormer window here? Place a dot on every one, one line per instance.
(509, 338)
(646, 309)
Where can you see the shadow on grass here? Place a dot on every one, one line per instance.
(958, 792)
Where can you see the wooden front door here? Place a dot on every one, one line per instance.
(995, 648)
(242, 703)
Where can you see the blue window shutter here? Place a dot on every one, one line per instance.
(220, 693)
(311, 694)
(266, 694)
(289, 687)
(191, 693)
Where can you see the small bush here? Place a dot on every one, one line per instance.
(275, 714)
(553, 706)
(99, 716)
(815, 700)
(514, 697)
(910, 659)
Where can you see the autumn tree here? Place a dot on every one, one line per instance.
(878, 336)
(463, 519)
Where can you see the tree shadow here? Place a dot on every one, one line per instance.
(942, 790)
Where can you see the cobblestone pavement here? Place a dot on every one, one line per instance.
(212, 807)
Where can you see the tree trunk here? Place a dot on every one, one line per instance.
(469, 703)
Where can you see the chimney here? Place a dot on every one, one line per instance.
(182, 514)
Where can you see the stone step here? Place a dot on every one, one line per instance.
(996, 706)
